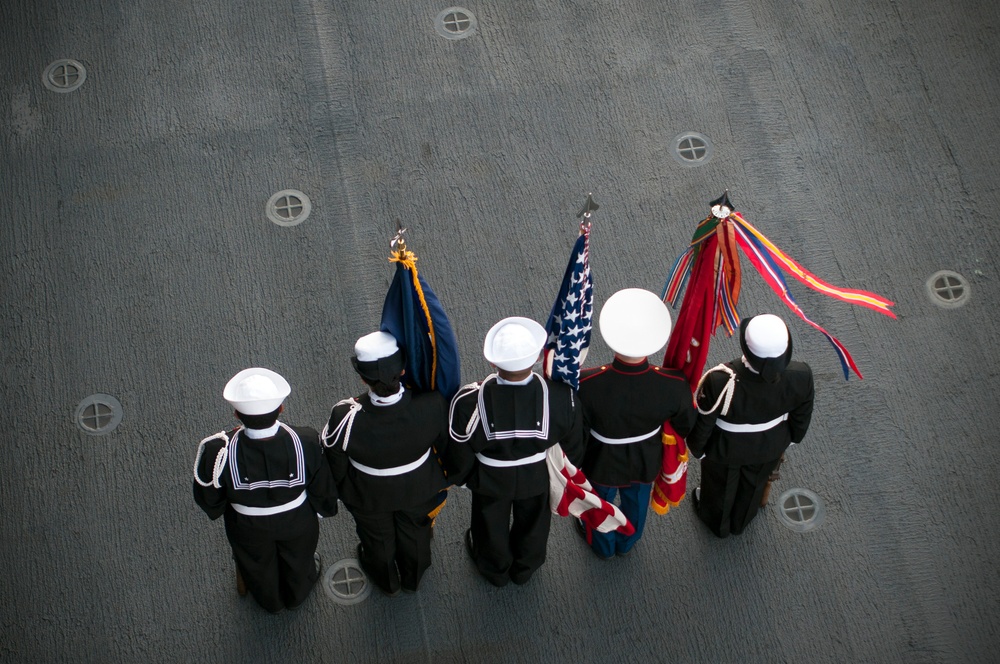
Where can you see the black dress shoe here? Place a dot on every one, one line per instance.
(696, 497)
(295, 607)
(361, 561)
(521, 580)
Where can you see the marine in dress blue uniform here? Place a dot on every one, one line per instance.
(269, 480)
(749, 411)
(625, 404)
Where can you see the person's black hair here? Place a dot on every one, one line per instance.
(385, 369)
(259, 421)
(381, 388)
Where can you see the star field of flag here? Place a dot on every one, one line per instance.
(571, 320)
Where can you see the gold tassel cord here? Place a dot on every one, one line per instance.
(408, 260)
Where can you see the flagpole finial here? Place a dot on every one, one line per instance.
(721, 206)
(398, 243)
(589, 206)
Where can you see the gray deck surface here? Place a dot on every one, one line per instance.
(136, 261)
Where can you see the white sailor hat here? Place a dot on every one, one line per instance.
(514, 343)
(256, 391)
(635, 323)
(373, 347)
(766, 336)
(378, 357)
(766, 344)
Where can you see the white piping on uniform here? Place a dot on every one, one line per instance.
(542, 433)
(298, 478)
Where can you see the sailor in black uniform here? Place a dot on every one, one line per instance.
(270, 481)
(383, 450)
(503, 426)
(625, 404)
(750, 410)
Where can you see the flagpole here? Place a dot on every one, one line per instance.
(568, 328)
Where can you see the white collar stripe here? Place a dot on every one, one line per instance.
(542, 432)
(300, 466)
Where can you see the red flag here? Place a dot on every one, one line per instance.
(687, 349)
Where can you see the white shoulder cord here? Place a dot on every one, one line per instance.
(343, 426)
(470, 428)
(726, 393)
(220, 459)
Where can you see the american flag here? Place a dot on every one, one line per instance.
(572, 315)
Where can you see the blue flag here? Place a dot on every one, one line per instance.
(572, 316)
(413, 314)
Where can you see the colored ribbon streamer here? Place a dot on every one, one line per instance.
(723, 238)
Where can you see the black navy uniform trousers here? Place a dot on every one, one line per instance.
(273, 551)
(390, 478)
(501, 460)
(743, 447)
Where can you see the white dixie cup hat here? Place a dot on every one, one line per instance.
(767, 336)
(514, 343)
(256, 391)
(635, 322)
(373, 347)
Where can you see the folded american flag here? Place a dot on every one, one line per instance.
(570, 494)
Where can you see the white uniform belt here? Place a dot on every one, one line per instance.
(624, 441)
(750, 428)
(265, 511)
(497, 463)
(389, 472)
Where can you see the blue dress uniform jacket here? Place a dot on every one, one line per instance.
(622, 401)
